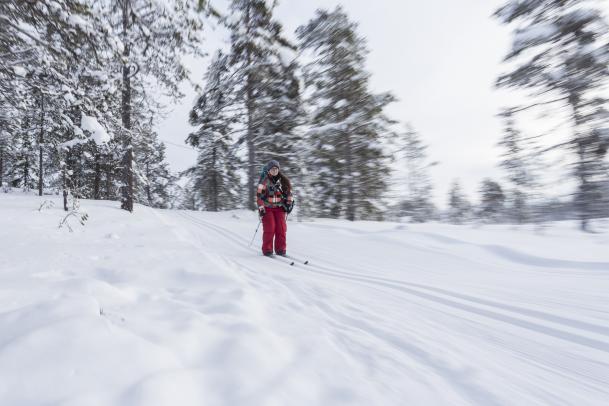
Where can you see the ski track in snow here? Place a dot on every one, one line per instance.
(429, 293)
(340, 322)
(165, 307)
(592, 336)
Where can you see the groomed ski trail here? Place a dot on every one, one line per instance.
(531, 326)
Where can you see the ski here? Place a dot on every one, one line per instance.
(290, 260)
(301, 261)
(283, 259)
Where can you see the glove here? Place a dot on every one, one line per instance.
(288, 207)
(261, 211)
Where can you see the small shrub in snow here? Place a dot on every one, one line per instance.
(73, 214)
(47, 204)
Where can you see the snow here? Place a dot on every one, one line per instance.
(534, 34)
(19, 71)
(73, 141)
(78, 21)
(69, 98)
(90, 124)
(173, 308)
(581, 16)
(340, 104)
(508, 11)
(97, 131)
(286, 55)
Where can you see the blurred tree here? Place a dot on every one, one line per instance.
(63, 64)
(418, 203)
(153, 38)
(214, 177)
(516, 161)
(459, 208)
(492, 200)
(561, 48)
(257, 66)
(348, 167)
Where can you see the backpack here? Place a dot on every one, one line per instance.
(263, 173)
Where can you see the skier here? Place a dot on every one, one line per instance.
(274, 199)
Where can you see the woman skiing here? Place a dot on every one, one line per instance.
(274, 199)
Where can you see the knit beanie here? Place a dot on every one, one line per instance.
(272, 164)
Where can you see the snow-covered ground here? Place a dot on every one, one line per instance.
(173, 308)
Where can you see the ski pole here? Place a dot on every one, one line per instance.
(259, 221)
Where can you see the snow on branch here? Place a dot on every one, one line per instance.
(98, 133)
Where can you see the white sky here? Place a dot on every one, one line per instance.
(440, 59)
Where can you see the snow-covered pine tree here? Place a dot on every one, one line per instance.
(153, 38)
(492, 201)
(54, 45)
(561, 52)
(459, 208)
(155, 181)
(417, 204)
(10, 124)
(4, 151)
(214, 177)
(189, 198)
(64, 60)
(516, 161)
(281, 111)
(257, 74)
(348, 167)
(23, 171)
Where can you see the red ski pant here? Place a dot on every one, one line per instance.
(274, 226)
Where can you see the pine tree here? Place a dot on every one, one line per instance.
(215, 177)
(492, 200)
(155, 180)
(418, 203)
(153, 36)
(63, 65)
(259, 83)
(23, 169)
(518, 166)
(55, 45)
(282, 112)
(349, 167)
(458, 206)
(562, 48)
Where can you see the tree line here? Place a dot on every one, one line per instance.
(79, 84)
(80, 80)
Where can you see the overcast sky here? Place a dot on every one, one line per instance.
(440, 58)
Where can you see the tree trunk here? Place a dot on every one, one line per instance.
(97, 181)
(351, 181)
(214, 182)
(1, 164)
(108, 182)
(581, 203)
(76, 171)
(251, 148)
(148, 193)
(26, 174)
(64, 183)
(127, 189)
(40, 142)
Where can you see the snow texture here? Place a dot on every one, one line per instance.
(534, 34)
(173, 308)
(97, 131)
(19, 71)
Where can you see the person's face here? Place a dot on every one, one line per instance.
(274, 171)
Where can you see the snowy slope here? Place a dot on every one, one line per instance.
(173, 308)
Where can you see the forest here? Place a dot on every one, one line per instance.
(80, 98)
